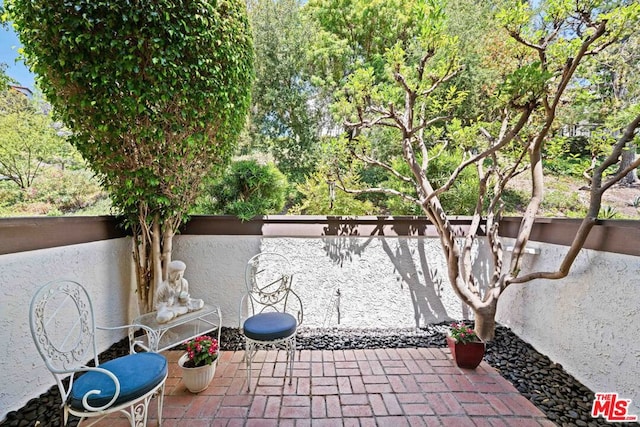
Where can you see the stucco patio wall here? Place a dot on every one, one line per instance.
(354, 282)
(587, 322)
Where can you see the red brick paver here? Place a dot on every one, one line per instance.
(392, 387)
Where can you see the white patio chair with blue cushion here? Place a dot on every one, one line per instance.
(266, 318)
(63, 328)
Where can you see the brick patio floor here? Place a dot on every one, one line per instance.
(385, 387)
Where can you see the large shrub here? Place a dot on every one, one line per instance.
(246, 189)
(155, 93)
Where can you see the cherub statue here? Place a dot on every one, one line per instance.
(172, 298)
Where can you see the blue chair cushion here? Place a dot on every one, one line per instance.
(137, 373)
(270, 326)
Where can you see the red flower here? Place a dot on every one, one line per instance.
(202, 350)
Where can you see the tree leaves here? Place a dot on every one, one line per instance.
(155, 94)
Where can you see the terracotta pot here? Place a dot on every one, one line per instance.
(197, 379)
(467, 355)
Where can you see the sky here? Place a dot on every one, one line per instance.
(9, 45)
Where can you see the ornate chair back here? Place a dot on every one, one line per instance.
(63, 327)
(270, 311)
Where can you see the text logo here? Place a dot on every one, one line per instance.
(612, 408)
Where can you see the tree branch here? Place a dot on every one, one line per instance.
(385, 166)
(376, 190)
(445, 78)
(507, 137)
(591, 218)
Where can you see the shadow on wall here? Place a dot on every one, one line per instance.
(421, 283)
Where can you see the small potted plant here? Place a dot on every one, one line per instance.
(199, 362)
(467, 349)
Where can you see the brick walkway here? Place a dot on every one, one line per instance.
(388, 387)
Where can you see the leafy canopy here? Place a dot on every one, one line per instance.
(155, 93)
(247, 189)
(28, 140)
(285, 115)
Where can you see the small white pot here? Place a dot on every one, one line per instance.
(197, 379)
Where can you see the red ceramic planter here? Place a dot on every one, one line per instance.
(467, 355)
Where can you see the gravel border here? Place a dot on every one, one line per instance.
(562, 398)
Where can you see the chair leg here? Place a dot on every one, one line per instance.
(139, 412)
(293, 358)
(160, 404)
(248, 355)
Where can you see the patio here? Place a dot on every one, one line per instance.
(383, 387)
(354, 387)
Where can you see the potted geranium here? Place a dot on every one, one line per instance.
(467, 349)
(199, 362)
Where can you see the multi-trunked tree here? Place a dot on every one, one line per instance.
(414, 100)
(155, 95)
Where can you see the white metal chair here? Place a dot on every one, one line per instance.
(63, 328)
(266, 318)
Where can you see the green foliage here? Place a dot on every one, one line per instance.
(55, 192)
(284, 121)
(355, 33)
(67, 190)
(321, 197)
(559, 160)
(482, 52)
(4, 78)
(388, 94)
(28, 139)
(155, 94)
(10, 196)
(246, 189)
(525, 85)
(514, 201)
(102, 206)
(568, 165)
(608, 212)
(461, 198)
(559, 201)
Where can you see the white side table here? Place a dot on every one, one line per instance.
(185, 327)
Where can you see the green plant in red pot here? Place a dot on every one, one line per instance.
(467, 349)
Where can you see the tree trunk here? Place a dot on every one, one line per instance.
(627, 158)
(156, 262)
(485, 320)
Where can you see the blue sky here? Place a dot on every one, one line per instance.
(9, 45)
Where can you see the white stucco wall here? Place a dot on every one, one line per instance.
(383, 282)
(104, 268)
(587, 322)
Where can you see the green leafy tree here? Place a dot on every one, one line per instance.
(284, 118)
(246, 189)
(28, 139)
(355, 33)
(606, 99)
(154, 93)
(4, 78)
(321, 197)
(415, 98)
